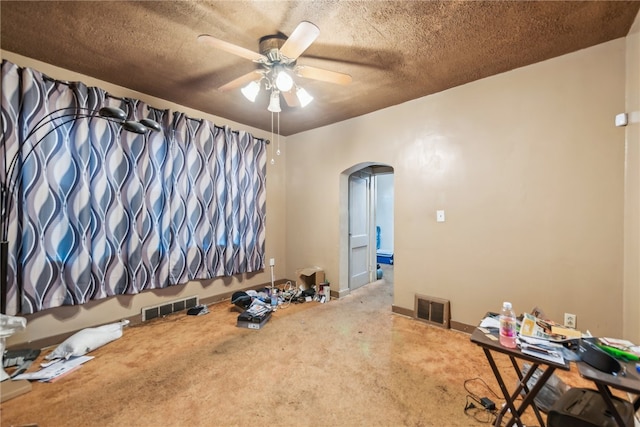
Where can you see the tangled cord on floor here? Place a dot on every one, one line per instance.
(474, 407)
(289, 292)
(479, 413)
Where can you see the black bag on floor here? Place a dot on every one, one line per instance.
(581, 407)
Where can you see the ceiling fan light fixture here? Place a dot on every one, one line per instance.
(284, 82)
(278, 59)
(274, 102)
(304, 97)
(251, 90)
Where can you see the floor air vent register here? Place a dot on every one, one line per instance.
(161, 310)
(435, 311)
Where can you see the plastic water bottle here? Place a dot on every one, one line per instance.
(274, 299)
(507, 326)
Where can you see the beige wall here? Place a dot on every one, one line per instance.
(529, 168)
(631, 292)
(527, 165)
(66, 319)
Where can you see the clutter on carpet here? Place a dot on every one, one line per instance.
(256, 306)
(198, 310)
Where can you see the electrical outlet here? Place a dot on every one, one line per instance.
(272, 261)
(570, 320)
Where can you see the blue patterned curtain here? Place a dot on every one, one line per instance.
(219, 199)
(101, 211)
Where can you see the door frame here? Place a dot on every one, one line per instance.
(343, 250)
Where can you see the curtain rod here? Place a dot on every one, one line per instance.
(266, 141)
(125, 99)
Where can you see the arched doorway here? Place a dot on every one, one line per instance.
(367, 223)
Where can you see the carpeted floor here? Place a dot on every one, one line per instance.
(350, 362)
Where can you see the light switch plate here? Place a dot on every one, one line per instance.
(621, 119)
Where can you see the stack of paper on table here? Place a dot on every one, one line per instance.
(546, 329)
(541, 348)
(541, 338)
(621, 344)
(620, 348)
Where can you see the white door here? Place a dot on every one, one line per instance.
(359, 229)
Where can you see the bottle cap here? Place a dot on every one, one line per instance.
(506, 305)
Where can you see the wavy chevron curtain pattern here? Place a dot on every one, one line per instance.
(217, 208)
(103, 212)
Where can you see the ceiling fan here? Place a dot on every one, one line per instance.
(278, 58)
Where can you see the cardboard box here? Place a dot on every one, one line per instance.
(309, 277)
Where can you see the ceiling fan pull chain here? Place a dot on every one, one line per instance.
(273, 161)
(278, 151)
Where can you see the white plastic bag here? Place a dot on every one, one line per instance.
(86, 340)
(551, 391)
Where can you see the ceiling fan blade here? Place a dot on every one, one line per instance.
(301, 38)
(231, 48)
(291, 98)
(241, 81)
(323, 75)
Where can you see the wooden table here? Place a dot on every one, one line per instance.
(490, 344)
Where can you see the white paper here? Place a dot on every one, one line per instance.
(54, 370)
(540, 342)
(490, 322)
(542, 353)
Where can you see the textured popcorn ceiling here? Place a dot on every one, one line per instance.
(395, 51)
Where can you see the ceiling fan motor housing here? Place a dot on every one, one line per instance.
(270, 47)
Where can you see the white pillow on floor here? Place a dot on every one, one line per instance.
(86, 340)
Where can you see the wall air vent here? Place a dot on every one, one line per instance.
(435, 311)
(166, 308)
